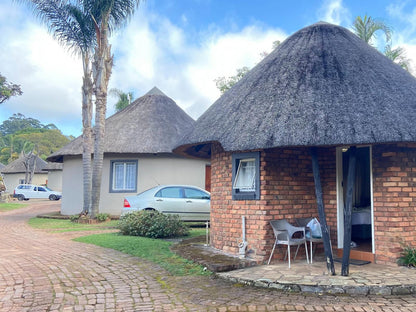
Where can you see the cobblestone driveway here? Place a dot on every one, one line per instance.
(40, 271)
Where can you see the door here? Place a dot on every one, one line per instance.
(362, 201)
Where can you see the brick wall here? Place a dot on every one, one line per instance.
(394, 195)
(287, 191)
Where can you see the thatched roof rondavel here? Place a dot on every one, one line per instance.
(18, 166)
(322, 86)
(153, 123)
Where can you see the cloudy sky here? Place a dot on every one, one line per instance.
(178, 46)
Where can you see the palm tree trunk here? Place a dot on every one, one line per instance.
(87, 143)
(102, 66)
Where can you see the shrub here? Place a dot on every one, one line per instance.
(408, 257)
(103, 217)
(152, 224)
(74, 218)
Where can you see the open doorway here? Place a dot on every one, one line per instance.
(361, 231)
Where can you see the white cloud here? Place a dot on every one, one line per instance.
(334, 12)
(159, 54)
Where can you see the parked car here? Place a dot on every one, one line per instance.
(191, 203)
(27, 191)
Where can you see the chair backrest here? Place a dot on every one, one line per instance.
(303, 221)
(283, 230)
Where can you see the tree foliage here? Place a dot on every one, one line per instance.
(8, 89)
(20, 134)
(225, 83)
(124, 99)
(367, 28)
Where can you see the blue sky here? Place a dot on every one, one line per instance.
(180, 46)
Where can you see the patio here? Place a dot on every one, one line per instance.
(368, 279)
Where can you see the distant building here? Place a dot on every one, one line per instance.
(138, 155)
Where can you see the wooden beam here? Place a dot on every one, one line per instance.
(348, 211)
(321, 212)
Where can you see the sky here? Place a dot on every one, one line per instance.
(179, 46)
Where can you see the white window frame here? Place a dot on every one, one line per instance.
(124, 188)
(251, 185)
(248, 192)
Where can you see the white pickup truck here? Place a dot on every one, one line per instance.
(27, 191)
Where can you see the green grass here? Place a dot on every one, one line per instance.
(10, 206)
(59, 225)
(154, 250)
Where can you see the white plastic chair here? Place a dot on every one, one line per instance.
(304, 222)
(284, 231)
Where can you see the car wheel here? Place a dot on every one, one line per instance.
(52, 197)
(21, 197)
(149, 209)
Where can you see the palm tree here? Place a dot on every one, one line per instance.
(366, 28)
(107, 16)
(124, 99)
(397, 55)
(73, 27)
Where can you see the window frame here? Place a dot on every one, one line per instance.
(111, 182)
(246, 195)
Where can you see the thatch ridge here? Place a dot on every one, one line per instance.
(153, 123)
(322, 86)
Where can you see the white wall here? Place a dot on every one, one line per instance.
(55, 180)
(152, 170)
(11, 180)
(71, 186)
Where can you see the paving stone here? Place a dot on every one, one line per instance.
(41, 271)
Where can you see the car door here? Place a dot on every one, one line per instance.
(42, 192)
(170, 200)
(197, 204)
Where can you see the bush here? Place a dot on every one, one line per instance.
(152, 224)
(74, 218)
(408, 257)
(103, 217)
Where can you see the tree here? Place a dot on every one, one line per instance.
(124, 99)
(71, 24)
(8, 89)
(19, 122)
(224, 84)
(366, 28)
(107, 16)
(397, 55)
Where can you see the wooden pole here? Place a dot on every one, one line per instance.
(348, 210)
(321, 212)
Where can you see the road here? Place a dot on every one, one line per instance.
(42, 271)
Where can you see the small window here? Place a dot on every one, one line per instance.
(246, 176)
(170, 192)
(123, 177)
(41, 189)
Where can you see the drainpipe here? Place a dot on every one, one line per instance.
(243, 245)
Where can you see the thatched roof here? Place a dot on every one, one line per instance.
(53, 167)
(322, 86)
(18, 166)
(153, 123)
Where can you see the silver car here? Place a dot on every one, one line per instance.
(191, 203)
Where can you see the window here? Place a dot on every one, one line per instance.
(195, 194)
(123, 176)
(170, 192)
(246, 176)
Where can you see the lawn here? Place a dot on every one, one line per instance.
(155, 250)
(66, 225)
(11, 206)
